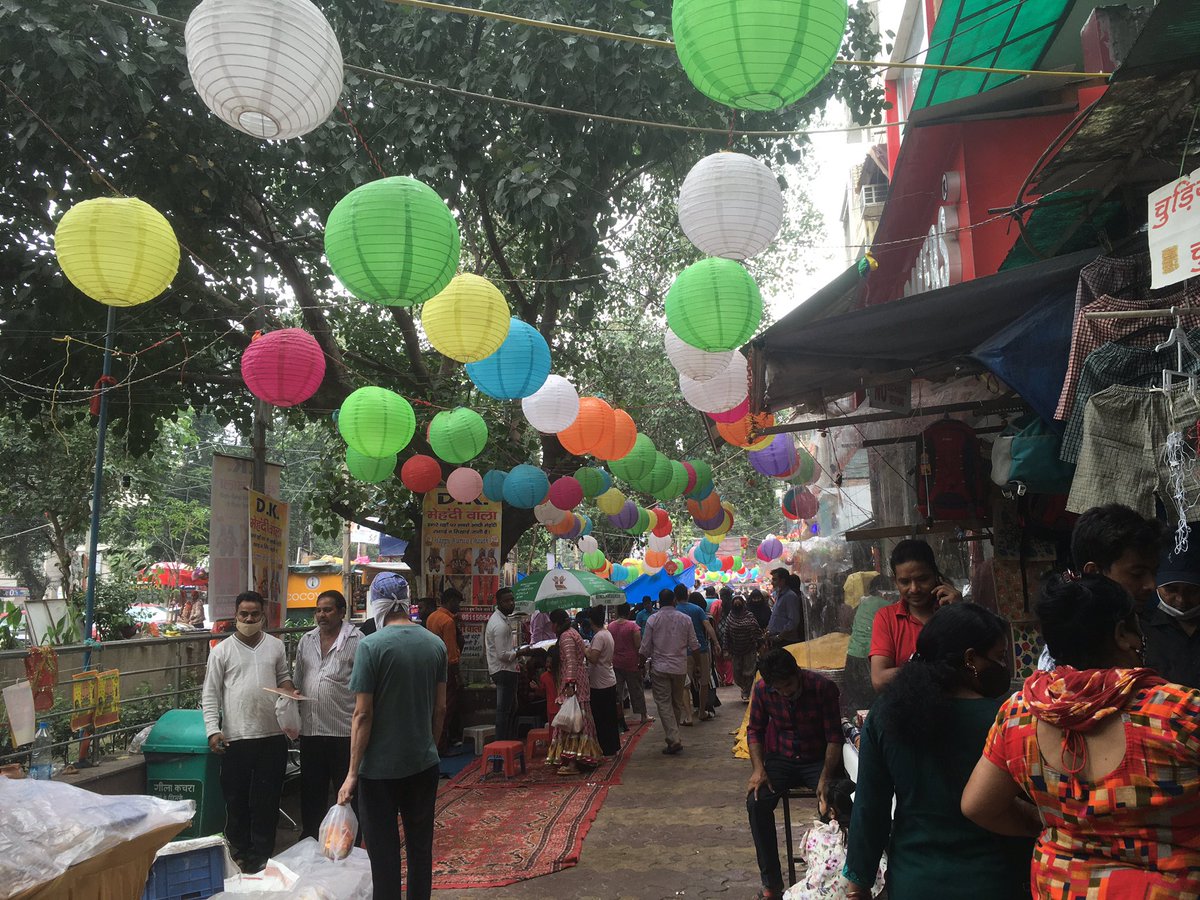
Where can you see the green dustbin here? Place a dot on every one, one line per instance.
(179, 766)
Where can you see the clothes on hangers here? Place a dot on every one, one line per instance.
(1123, 277)
(1121, 459)
(1116, 363)
(1089, 335)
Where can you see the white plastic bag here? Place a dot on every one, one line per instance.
(287, 713)
(569, 717)
(337, 832)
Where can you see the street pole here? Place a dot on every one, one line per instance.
(97, 489)
(347, 571)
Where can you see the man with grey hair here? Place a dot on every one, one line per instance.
(399, 684)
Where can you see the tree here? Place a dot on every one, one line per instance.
(547, 204)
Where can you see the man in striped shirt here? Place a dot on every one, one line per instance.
(324, 661)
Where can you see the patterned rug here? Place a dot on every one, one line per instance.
(538, 774)
(486, 837)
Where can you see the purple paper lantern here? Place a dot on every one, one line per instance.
(283, 368)
(713, 522)
(776, 459)
(770, 549)
(626, 517)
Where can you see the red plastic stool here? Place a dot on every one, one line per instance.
(503, 756)
(536, 737)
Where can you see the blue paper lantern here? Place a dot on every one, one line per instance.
(585, 526)
(493, 485)
(525, 487)
(519, 368)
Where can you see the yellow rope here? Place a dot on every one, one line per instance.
(656, 42)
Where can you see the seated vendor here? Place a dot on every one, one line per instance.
(1171, 627)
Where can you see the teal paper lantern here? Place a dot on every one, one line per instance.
(493, 485)
(376, 422)
(457, 435)
(392, 241)
(593, 481)
(757, 54)
(714, 305)
(526, 486)
(369, 468)
(518, 368)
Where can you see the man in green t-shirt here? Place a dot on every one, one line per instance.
(857, 692)
(399, 683)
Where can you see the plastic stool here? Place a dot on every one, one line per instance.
(536, 736)
(479, 734)
(503, 756)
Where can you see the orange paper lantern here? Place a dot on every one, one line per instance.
(656, 558)
(706, 508)
(562, 527)
(592, 428)
(738, 433)
(620, 441)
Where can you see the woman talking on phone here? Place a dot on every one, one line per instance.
(922, 590)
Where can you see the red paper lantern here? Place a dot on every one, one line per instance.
(283, 367)
(421, 474)
(662, 525)
(591, 429)
(566, 493)
(726, 562)
(731, 415)
(799, 503)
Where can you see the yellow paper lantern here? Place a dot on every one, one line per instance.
(117, 250)
(611, 501)
(468, 320)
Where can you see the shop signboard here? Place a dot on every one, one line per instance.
(229, 540)
(267, 562)
(1174, 231)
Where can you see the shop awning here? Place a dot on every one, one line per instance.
(929, 336)
(1013, 35)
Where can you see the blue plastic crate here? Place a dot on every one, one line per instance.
(194, 875)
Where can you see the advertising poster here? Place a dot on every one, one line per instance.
(228, 543)
(108, 698)
(460, 548)
(267, 563)
(83, 700)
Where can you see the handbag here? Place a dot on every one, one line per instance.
(569, 717)
(1035, 461)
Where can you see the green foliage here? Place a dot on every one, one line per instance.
(551, 207)
(12, 626)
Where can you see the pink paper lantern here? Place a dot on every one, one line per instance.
(566, 493)
(283, 368)
(733, 415)
(464, 484)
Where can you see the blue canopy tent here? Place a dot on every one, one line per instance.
(649, 585)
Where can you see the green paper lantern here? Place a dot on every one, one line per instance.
(392, 241)
(677, 484)
(714, 305)
(637, 464)
(369, 468)
(659, 477)
(457, 435)
(593, 481)
(376, 422)
(643, 522)
(593, 559)
(703, 477)
(757, 54)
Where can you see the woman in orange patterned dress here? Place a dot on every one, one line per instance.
(1108, 751)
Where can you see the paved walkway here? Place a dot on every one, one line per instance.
(675, 826)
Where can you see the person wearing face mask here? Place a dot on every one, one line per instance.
(1172, 628)
(239, 718)
(895, 628)
(920, 744)
(1107, 751)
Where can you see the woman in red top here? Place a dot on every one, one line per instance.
(1108, 751)
(922, 590)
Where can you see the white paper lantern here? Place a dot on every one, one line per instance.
(553, 407)
(661, 544)
(696, 364)
(588, 544)
(269, 68)
(719, 394)
(649, 569)
(548, 514)
(730, 205)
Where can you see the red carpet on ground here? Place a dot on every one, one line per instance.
(494, 833)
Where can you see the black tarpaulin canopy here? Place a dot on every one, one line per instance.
(931, 335)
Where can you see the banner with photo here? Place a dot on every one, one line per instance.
(269, 553)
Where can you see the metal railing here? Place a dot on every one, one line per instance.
(174, 685)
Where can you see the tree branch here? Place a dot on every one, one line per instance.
(493, 242)
(412, 344)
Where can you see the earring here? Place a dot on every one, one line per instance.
(973, 670)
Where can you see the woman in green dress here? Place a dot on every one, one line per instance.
(920, 743)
